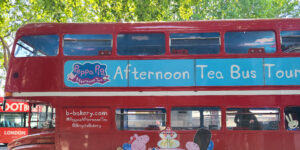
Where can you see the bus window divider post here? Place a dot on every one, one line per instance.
(3, 104)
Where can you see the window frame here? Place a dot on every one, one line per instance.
(285, 116)
(281, 43)
(164, 47)
(109, 52)
(148, 128)
(19, 38)
(203, 108)
(192, 38)
(278, 114)
(256, 50)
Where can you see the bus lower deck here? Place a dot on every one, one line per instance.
(164, 122)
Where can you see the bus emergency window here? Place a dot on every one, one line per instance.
(292, 118)
(13, 120)
(193, 118)
(141, 44)
(252, 119)
(87, 44)
(37, 45)
(290, 41)
(195, 43)
(42, 116)
(250, 42)
(141, 119)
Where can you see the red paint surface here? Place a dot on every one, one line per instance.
(9, 134)
(86, 118)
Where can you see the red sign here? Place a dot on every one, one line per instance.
(9, 134)
(86, 118)
(15, 106)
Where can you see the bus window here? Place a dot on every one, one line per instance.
(42, 116)
(87, 44)
(141, 119)
(141, 44)
(195, 43)
(193, 118)
(290, 41)
(13, 120)
(250, 42)
(37, 45)
(292, 118)
(252, 119)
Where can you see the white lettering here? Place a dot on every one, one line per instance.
(168, 75)
(143, 75)
(177, 75)
(15, 133)
(135, 74)
(118, 72)
(235, 72)
(159, 74)
(127, 71)
(202, 70)
(150, 74)
(280, 74)
(219, 75)
(253, 74)
(269, 69)
(211, 74)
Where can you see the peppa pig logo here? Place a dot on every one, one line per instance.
(89, 74)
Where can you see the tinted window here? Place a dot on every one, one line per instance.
(141, 44)
(14, 120)
(252, 118)
(195, 43)
(87, 45)
(193, 118)
(292, 118)
(37, 45)
(141, 119)
(42, 116)
(250, 42)
(290, 41)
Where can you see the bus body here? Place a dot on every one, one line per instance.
(225, 84)
(13, 121)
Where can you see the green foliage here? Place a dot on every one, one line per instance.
(14, 13)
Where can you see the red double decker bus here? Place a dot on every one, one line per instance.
(198, 85)
(13, 121)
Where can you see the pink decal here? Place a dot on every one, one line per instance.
(192, 146)
(139, 142)
(89, 74)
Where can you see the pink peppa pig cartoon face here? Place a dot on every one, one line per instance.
(192, 146)
(139, 142)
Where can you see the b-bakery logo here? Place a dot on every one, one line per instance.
(88, 74)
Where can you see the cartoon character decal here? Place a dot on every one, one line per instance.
(136, 143)
(88, 74)
(168, 139)
(293, 124)
(202, 141)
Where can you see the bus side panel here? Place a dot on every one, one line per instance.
(248, 140)
(9, 134)
(291, 140)
(80, 141)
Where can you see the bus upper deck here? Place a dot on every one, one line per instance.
(152, 56)
(226, 84)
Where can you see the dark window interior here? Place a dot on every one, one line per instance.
(195, 43)
(141, 44)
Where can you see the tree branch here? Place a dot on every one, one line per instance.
(6, 53)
